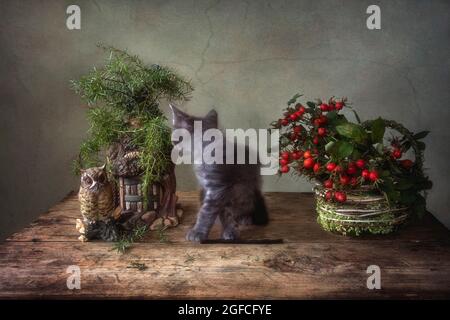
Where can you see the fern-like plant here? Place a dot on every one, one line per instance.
(120, 94)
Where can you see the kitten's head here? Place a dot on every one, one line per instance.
(94, 179)
(182, 120)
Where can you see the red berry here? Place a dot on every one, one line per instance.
(351, 170)
(284, 162)
(340, 196)
(316, 140)
(307, 154)
(321, 132)
(328, 195)
(397, 153)
(360, 163)
(297, 129)
(338, 169)
(344, 180)
(316, 167)
(373, 176)
(353, 181)
(339, 105)
(331, 166)
(294, 136)
(328, 184)
(331, 107)
(407, 164)
(301, 109)
(324, 107)
(284, 122)
(298, 106)
(317, 122)
(323, 120)
(285, 155)
(285, 169)
(293, 117)
(365, 174)
(308, 163)
(296, 155)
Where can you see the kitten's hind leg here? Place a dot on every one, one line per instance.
(245, 220)
(230, 227)
(260, 215)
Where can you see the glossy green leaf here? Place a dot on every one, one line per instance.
(294, 99)
(378, 128)
(340, 149)
(421, 135)
(352, 131)
(329, 146)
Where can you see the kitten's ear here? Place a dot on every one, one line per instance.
(211, 118)
(179, 118)
(176, 112)
(173, 108)
(212, 114)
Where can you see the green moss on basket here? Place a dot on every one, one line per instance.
(383, 223)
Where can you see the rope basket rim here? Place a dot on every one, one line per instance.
(360, 216)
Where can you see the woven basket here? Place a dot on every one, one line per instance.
(364, 212)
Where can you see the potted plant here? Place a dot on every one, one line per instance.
(129, 132)
(369, 175)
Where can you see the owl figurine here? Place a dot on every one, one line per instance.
(97, 206)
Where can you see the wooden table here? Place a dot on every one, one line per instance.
(312, 263)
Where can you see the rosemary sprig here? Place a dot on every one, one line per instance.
(126, 241)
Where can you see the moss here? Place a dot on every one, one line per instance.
(356, 225)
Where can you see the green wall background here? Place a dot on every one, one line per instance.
(245, 58)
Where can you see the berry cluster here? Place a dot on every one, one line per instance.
(317, 141)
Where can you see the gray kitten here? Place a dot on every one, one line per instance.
(231, 192)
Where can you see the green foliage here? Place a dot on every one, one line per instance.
(378, 128)
(343, 142)
(125, 82)
(126, 240)
(352, 131)
(162, 235)
(107, 125)
(155, 140)
(294, 98)
(339, 149)
(122, 91)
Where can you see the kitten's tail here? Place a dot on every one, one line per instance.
(260, 216)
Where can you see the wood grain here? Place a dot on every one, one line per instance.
(311, 263)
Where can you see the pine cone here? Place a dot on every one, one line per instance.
(126, 167)
(124, 158)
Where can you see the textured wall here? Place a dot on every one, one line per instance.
(245, 58)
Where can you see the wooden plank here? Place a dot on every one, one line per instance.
(196, 271)
(415, 262)
(292, 218)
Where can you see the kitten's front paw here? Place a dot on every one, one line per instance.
(195, 235)
(230, 234)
